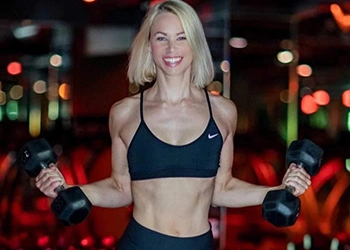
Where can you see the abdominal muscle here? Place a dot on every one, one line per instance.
(173, 206)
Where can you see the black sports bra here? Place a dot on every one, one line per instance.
(149, 157)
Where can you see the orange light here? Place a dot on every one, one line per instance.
(342, 19)
(321, 97)
(14, 68)
(308, 105)
(214, 92)
(64, 91)
(89, 1)
(346, 98)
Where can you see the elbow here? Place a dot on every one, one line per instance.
(216, 201)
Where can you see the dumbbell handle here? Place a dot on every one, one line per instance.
(60, 187)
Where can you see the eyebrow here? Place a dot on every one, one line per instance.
(165, 34)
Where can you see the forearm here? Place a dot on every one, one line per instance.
(238, 193)
(106, 193)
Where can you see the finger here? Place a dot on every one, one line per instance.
(48, 177)
(43, 172)
(297, 185)
(299, 174)
(292, 166)
(48, 182)
(51, 189)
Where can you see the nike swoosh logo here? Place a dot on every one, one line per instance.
(212, 136)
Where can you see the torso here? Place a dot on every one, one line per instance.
(173, 206)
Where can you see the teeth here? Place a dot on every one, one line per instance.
(172, 60)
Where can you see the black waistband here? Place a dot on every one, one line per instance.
(138, 237)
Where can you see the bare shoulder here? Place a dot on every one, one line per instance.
(225, 113)
(124, 106)
(223, 106)
(123, 111)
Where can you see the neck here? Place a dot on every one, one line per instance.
(173, 89)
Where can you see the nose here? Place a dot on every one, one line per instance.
(171, 46)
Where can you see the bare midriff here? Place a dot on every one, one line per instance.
(176, 207)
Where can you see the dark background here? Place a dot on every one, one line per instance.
(93, 40)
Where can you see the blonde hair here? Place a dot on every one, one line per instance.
(141, 66)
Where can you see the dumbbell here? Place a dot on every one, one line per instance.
(281, 207)
(71, 206)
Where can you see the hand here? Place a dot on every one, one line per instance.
(297, 178)
(49, 179)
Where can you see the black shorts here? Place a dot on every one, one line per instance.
(138, 237)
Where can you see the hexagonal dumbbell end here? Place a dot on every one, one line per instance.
(71, 206)
(306, 154)
(281, 208)
(36, 155)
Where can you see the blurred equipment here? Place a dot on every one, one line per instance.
(281, 207)
(71, 205)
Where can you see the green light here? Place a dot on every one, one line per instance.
(12, 110)
(53, 110)
(347, 164)
(319, 119)
(1, 114)
(292, 119)
(348, 121)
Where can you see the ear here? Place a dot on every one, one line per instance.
(149, 48)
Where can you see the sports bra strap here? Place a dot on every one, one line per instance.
(208, 100)
(141, 105)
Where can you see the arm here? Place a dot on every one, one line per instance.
(232, 192)
(114, 191)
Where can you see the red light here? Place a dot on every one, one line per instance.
(108, 241)
(43, 241)
(14, 68)
(89, 1)
(308, 104)
(154, 2)
(321, 97)
(87, 242)
(346, 98)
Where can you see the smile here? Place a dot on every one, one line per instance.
(172, 61)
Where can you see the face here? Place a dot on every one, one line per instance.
(168, 45)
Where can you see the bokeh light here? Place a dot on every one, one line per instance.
(308, 105)
(2, 97)
(16, 92)
(225, 66)
(39, 87)
(238, 42)
(64, 91)
(285, 57)
(14, 68)
(346, 98)
(56, 60)
(304, 70)
(321, 97)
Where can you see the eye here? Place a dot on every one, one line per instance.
(181, 38)
(161, 38)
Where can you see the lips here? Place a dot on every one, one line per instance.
(172, 61)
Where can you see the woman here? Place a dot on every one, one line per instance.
(172, 144)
